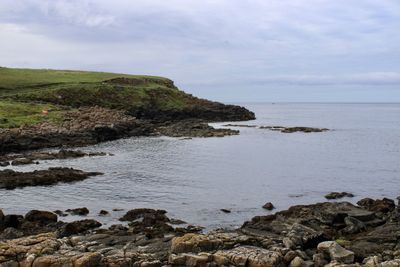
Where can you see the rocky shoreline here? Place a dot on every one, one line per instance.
(91, 125)
(323, 234)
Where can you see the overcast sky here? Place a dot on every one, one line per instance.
(227, 50)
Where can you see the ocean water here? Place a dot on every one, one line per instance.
(193, 179)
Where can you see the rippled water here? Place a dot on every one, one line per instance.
(194, 179)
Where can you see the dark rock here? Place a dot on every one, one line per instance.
(10, 179)
(177, 221)
(225, 211)
(78, 227)
(12, 220)
(60, 213)
(103, 213)
(353, 226)
(150, 214)
(44, 217)
(379, 205)
(338, 195)
(21, 161)
(268, 206)
(11, 233)
(78, 211)
(4, 164)
(303, 129)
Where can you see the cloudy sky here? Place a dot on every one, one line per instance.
(228, 50)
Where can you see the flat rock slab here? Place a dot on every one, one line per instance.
(10, 179)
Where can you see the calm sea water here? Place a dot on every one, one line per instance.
(194, 179)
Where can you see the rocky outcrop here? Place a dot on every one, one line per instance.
(190, 128)
(79, 127)
(10, 179)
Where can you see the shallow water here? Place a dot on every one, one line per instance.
(194, 179)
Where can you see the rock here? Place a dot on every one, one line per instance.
(289, 256)
(297, 262)
(194, 243)
(150, 214)
(379, 205)
(60, 213)
(338, 195)
(372, 261)
(92, 259)
(21, 161)
(78, 227)
(44, 217)
(268, 206)
(225, 211)
(319, 260)
(353, 226)
(303, 129)
(10, 179)
(103, 213)
(11, 233)
(249, 256)
(78, 211)
(336, 252)
(4, 164)
(12, 220)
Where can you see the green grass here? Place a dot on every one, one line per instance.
(25, 92)
(16, 114)
(12, 80)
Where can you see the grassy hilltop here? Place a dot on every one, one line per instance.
(24, 93)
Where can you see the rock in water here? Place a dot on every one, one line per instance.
(338, 195)
(41, 216)
(268, 206)
(78, 211)
(10, 179)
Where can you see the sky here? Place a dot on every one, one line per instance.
(226, 50)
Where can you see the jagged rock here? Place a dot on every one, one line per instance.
(372, 261)
(336, 252)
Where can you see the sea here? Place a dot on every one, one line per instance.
(193, 179)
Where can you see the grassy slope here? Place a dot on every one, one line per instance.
(24, 93)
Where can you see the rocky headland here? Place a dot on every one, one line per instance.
(323, 234)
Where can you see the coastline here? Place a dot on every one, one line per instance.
(322, 234)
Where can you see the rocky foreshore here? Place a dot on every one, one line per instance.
(323, 234)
